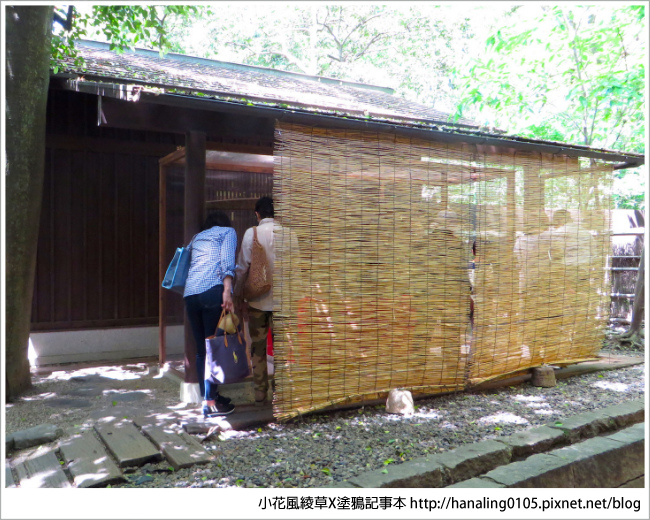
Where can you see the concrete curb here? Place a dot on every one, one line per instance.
(604, 448)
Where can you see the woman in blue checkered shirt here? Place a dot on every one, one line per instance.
(208, 290)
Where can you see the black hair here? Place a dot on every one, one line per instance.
(216, 218)
(264, 206)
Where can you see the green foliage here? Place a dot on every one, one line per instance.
(576, 76)
(122, 26)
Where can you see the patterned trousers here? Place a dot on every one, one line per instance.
(259, 323)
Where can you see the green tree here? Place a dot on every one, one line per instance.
(30, 47)
(410, 47)
(572, 74)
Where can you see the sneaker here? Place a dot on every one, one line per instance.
(223, 399)
(218, 409)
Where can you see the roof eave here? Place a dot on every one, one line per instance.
(422, 128)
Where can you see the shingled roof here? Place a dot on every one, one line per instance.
(131, 74)
(176, 73)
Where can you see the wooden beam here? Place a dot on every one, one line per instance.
(232, 204)
(163, 118)
(104, 145)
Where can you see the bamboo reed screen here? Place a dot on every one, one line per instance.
(387, 241)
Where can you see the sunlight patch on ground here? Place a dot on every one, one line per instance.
(616, 387)
(121, 373)
(503, 418)
(528, 398)
(39, 397)
(116, 391)
(428, 415)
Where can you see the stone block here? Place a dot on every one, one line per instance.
(602, 462)
(472, 460)
(538, 471)
(477, 483)
(630, 435)
(543, 377)
(400, 402)
(533, 441)
(625, 414)
(585, 425)
(9, 442)
(41, 434)
(636, 483)
(423, 472)
(340, 484)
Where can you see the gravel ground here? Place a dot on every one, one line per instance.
(316, 450)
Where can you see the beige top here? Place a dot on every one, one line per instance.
(265, 236)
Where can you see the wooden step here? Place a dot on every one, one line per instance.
(127, 444)
(181, 450)
(88, 462)
(41, 470)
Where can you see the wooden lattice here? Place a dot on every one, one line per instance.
(392, 238)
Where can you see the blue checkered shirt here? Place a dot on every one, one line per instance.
(213, 258)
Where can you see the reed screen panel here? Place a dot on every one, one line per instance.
(392, 246)
(540, 284)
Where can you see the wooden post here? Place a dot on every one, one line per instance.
(194, 215)
(162, 242)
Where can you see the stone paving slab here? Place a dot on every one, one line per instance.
(422, 472)
(585, 425)
(63, 402)
(631, 434)
(41, 470)
(625, 414)
(9, 478)
(88, 462)
(477, 482)
(537, 471)
(41, 434)
(533, 441)
(243, 418)
(471, 460)
(601, 462)
(127, 444)
(85, 391)
(182, 451)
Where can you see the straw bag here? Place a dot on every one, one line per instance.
(260, 277)
(226, 360)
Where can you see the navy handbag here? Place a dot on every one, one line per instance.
(226, 359)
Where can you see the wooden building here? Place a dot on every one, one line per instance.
(138, 146)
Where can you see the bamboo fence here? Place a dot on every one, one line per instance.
(387, 244)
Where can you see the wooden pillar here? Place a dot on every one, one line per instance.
(162, 243)
(194, 215)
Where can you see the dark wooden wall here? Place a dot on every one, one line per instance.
(97, 262)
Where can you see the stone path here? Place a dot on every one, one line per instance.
(101, 457)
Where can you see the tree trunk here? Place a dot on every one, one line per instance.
(29, 35)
